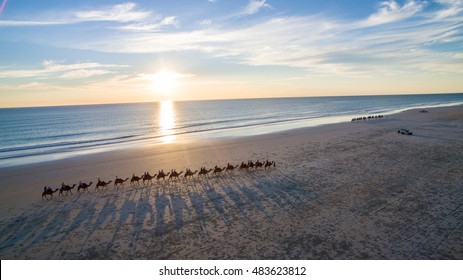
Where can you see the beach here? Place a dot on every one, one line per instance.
(353, 190)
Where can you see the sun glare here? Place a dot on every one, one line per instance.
(166, 82)
(167, 121)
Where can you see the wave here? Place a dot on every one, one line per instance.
(69, 146)
(67, 143)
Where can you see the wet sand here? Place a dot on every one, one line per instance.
(354, 190)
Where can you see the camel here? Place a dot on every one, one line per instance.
(148, 177)
(174, 174)
(259, 164)
(48, 191)
(269, 164)
(189, 173)
(135, 179)
(231, 167)
(84, 186)
(66, 188)
(162, 175)
(102, 184)
(218, 170)
(203, 171)
(119, 181)
(244, 166)
(251, 164)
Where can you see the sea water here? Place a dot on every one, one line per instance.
(46, 133)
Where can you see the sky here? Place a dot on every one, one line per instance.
(55, 52)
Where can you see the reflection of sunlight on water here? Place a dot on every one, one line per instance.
(167, 121)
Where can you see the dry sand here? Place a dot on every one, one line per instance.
(343, 191)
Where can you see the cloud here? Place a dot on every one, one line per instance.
(450, 2)
(452, 8)
(206, 22)
(390, 11)
(126, 16)
(84, 73)
(151, 26)
(51, 69)
(10, 23)
(122, 13)
(395, 38)
(254, 6)
(125, 12)
(171, 20)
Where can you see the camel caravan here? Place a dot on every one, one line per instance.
(367, 118)
(171, 176)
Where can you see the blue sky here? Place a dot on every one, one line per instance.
(80, 52)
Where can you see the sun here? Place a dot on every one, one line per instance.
(166, 82)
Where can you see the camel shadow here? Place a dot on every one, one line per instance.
(197, 203)
(142, 209)
(237, 199)
(108, 211)
(160, 204)
(126, 210)
(219, 203)
(178, 207)
(36, 225)
(118, 223)
(281, 190)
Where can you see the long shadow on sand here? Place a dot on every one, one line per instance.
(134, 217)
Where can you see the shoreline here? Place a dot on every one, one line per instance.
(223, 133)
(335, 172)
(147, 144)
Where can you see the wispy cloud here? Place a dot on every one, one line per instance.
(52, 69)
(125, 12)
(121, 13)
(391, 11)
(7, 23)
(171, 20)
(452, 8)
(206, 22)
(395, 38)
(126, 16)
(254, 6)
(151, 25)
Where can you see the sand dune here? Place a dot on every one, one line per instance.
(344, 191)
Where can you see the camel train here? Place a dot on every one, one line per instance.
(171, 176)
(367, 118)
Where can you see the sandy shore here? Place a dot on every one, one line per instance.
(344, 191)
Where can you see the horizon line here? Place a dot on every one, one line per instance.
(224, 99)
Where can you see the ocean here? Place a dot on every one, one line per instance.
(40, 134)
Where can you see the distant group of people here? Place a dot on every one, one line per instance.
(367, 118)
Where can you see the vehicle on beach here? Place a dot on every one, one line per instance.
(404, 131)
